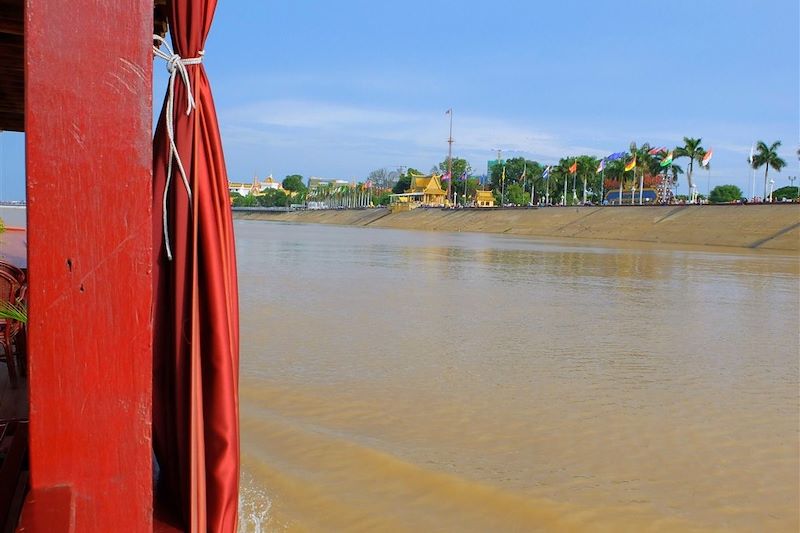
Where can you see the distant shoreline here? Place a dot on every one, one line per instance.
(758, 227)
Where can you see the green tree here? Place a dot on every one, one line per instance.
(767, 156)
(299, 197)
(515, 195)
(245, 201)
(294, 182)
(787, 192)
(273, 198)
(561, 178)
(723, 194)
(403, 183)
(514, 168)
(382, 198)
(648, 165)
(459, 166)
(587, 176)
(692, 149)
(471, 186)
(524, 172)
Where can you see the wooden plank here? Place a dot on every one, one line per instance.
(88, 115)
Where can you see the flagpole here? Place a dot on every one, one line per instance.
(547, 189)
(602, 184)
(450, 154)
(524, 178)
(503, 188)
(752, 174)
(574, 195)
(584, 189)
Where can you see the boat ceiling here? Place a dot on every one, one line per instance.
(12, 73)
(12, 60)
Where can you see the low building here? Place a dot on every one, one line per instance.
(484, 199)
(270, 183)
(424, 191)
(256, 188)
(240, 188)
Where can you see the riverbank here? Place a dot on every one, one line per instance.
(764, 227)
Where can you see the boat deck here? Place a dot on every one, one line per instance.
(13, 402)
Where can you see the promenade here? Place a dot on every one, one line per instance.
(763, 227)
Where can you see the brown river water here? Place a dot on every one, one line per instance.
(421, 381)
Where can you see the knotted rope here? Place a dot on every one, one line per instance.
(176, 66)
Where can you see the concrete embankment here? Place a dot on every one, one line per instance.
(769, 227)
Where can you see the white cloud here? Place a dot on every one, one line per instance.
(333, 139)
(355, 133)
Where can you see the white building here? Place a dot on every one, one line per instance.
(255, 188)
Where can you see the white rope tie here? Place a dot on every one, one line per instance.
(176, 66)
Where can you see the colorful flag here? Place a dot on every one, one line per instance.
(656, 151)
(546, 173)
(463, 176)
(574, 168)
(616, 155)
(368, 184)
(631, 164)
(707, 158)
(601, 166)
(667, 160)
(448, 111)
(446, 176)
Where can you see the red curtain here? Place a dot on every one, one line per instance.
(196, 313)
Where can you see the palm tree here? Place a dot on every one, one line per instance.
(767, 156)
(646, 164)
(675, 170)
(694, 151)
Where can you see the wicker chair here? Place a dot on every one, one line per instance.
(21, 340)
(12, 289)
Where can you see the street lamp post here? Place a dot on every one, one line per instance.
(791, 181)
(771, 185)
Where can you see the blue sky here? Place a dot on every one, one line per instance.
(337, 89)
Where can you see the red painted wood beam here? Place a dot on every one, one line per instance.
(88, 114)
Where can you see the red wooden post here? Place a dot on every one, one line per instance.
(88, 114)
